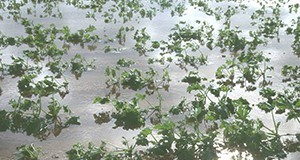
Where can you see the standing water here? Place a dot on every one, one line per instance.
(91, 84)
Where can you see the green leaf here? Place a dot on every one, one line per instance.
(11, 41)
(73, 120)
(101, 100)
(146, 131)
(155, 44)
(192, 78)
(298, 136)
(29, 153)
(297, 105)
(4, 121)
(265, 107)
(125, 63)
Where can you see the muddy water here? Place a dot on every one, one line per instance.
(92, 83)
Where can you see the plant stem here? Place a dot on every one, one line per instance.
(274, 123)
(298, 120)
(154, 138)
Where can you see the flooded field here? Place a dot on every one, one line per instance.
(92, 82)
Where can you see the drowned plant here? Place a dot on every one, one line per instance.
(212, 116)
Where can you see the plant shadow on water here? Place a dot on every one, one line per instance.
(150, 79)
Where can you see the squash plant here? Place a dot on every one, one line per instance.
(203, 125)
